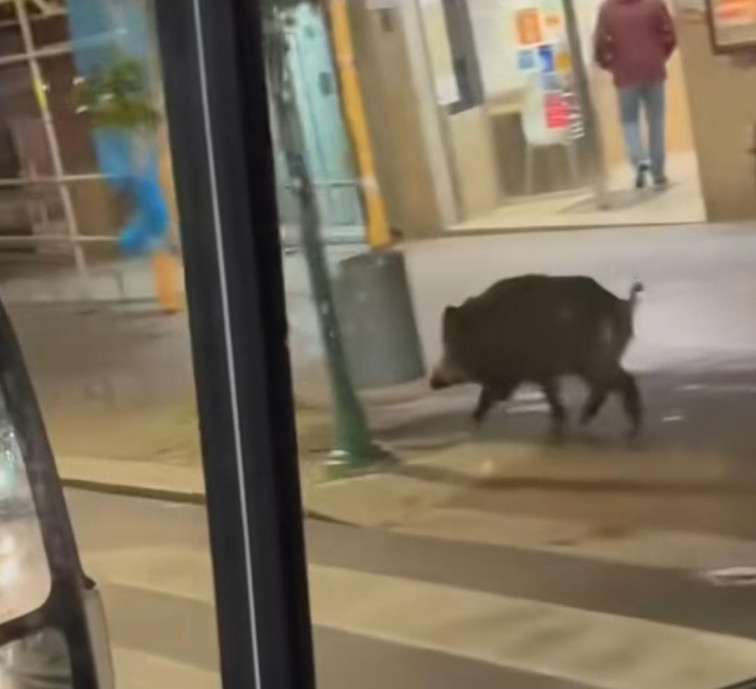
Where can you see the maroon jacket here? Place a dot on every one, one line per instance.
(634, 39)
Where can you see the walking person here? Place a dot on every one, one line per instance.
(634, 39)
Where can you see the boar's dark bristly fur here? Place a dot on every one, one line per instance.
(536, 328)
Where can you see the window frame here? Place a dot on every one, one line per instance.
(215, 92)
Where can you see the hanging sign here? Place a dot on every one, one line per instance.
(732, 24)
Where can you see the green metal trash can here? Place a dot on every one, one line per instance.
(377, 320)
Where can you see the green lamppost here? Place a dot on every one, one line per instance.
(353, 448)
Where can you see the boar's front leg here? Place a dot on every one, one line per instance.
(486, 400)
(490, 395)
(552, 392)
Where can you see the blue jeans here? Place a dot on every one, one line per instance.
(651, 96)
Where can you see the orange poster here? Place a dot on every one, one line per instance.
(529, 27)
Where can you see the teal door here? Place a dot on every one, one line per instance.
(328, 150)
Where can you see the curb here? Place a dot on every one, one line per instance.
(165, 494)
(175, 496)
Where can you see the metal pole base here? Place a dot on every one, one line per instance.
(345, 464)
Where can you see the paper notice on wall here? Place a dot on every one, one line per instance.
(529, 30)
(563, 61)
(553, 20)
(447, 91)
(546, 58)
(526, 60)
(557, 114)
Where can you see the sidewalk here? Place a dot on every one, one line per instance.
(397, 494)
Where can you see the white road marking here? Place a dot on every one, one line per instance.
(139, 670)
(596, 649)
(646, 547)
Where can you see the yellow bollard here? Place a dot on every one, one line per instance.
(165, 272)
(165, 266)
(377, 224)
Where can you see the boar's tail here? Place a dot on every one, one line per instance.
(635, 291)
(623, 320)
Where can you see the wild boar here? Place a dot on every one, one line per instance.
(536, 329)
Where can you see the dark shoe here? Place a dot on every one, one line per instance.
(661, 183)
(640, 176)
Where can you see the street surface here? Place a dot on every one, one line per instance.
(119, 385)
(587, 564)
(424, 606)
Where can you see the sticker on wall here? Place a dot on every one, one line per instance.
(546, 58)
(526, 60)
(551, 81)
(529, 27)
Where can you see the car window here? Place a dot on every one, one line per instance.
(24, 570)
(519, 326)
(93, 282)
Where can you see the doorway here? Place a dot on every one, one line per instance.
(518, 143)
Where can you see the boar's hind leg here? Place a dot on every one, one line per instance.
(631, 400)
(553, 397)
(623, 383)
(596, 399)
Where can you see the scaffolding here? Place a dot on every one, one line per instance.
(60, 182)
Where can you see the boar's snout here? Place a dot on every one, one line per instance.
(446, 374)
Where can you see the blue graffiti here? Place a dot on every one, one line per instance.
(100, 30)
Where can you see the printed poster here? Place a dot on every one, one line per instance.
(557, 112)
(551, 81)
(526, 60)
(546, 58)
(529, 27)
(563, 61)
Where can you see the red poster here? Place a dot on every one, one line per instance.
(557, 115)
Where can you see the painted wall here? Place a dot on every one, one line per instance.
(394, 118)
(723, 114)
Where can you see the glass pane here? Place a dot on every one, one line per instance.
(24, 570)
(92, 277)
(520, 469)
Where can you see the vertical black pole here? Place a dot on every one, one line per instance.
(585, 98)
